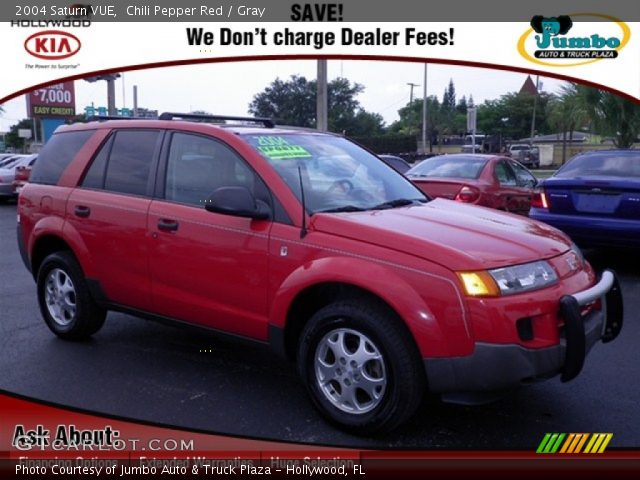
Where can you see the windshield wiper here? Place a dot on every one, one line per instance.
(398, 202)
(344, 208)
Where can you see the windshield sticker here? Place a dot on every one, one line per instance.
(277, 148)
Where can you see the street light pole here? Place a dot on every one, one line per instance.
(533, 117)
(322, 100)
(111, 95)
(424, 111)
(411, 85)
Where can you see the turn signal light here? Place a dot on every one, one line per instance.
(479, 284)
(468, 195)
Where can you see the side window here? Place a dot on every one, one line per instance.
(57, 154)
(523, 177)
(94, 178)
(130, 161)
(505, 175)
(199, 165)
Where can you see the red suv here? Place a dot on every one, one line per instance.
(307, 242)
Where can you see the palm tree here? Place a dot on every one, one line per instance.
(612, 114)
(567, 113)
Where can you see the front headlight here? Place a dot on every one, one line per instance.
(523, 278)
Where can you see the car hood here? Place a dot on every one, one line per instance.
(453, 234)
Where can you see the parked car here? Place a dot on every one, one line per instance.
(486, 180)
(397, 163)
(375, 291)
(7, 175)
(22, 174)
(9, 159)
(594, 198)
(471, 149)
(525, 154)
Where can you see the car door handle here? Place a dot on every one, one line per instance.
(167, 225)
(82, 211)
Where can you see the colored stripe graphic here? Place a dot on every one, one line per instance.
(581, 443)
(550, 443)
(598, 442)
(543, 443)
(569, 443)
(572, 443)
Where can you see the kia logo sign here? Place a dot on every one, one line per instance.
(52, 45)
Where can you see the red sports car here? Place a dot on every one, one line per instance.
(487, 180)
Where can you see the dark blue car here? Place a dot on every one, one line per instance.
(594, 198)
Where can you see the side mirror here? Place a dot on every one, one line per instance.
(237, 201)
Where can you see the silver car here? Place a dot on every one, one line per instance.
(8, 173)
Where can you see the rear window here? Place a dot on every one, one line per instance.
(57, 154)
(469, 166)
(602, 164)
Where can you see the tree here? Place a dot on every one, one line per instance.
(449, 97)
(452, 116)
(567, 113)
(462, 106)
(364, 124)
(293, 102)
(611, 115)
(470, 102)
(410, 121)
(511, 115)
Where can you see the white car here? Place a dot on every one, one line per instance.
(8, 172)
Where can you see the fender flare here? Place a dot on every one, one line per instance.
(380, 280)
(58, 227)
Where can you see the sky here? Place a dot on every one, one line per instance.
(228, 88)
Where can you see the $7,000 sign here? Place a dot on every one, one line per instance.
(57, 100)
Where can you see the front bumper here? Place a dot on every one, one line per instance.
(494, 367)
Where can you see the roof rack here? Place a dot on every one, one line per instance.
(267, 122)
(103, 118)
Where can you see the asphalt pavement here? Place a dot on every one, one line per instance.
(142, 370)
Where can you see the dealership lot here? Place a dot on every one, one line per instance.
(138, 369)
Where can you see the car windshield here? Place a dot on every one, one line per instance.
(10, 162)
(463, 166)
(519, 147)
(611, 164)
(337, 175)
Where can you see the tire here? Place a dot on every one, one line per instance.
(392, 370)
(65, 302)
